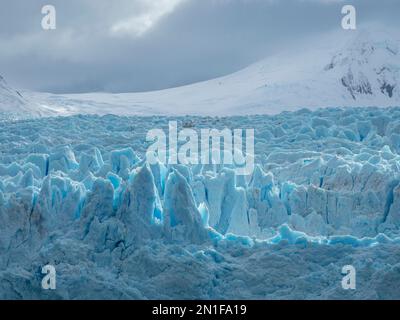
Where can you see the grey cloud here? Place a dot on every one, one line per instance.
(200, 39)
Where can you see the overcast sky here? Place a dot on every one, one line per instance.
(140, 45)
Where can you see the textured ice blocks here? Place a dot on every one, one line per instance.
(78, 193)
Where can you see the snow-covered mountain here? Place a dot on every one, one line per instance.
(10, 100)
(368, 68)
(15, 104)
(347, 70)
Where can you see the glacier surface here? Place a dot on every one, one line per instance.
(77, 193)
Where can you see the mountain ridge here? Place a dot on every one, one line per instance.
(363, 72)
(15, 105)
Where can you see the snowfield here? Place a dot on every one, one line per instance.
(76, 192)
(360, 69)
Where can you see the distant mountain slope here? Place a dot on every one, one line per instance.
(10, 99)
(368, 67)
(15, 104)
(364, 71)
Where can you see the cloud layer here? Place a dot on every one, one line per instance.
(139, 45)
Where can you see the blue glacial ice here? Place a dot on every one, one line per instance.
(77, 192)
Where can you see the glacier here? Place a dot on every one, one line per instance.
(76, 192)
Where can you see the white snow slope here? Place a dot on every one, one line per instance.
(362, 69)
(14, 104)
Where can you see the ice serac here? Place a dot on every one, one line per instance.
(264, 197)
(329, 172)
(99, 202)
(391, 219)
(98, 223)
(325, 188)
(139, 206)
(226, 202)
(122, 160)
(182, 218)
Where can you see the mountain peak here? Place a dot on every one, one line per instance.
(363, 72)
(368, 66)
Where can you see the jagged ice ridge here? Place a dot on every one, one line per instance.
(77, 192)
